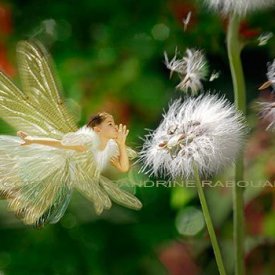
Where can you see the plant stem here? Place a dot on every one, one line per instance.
(209, 223)
(234, 48)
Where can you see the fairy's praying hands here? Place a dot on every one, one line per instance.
(122, 135)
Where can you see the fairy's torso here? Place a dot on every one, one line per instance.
(90, 139)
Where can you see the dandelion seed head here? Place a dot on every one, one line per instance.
(267, 112)
(206, 131)
(239, 7)
(192, 68)
(271, 73)
(214, 75)
(264, 38)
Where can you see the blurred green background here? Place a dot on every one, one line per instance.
(109, 57)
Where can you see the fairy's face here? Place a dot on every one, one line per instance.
(107, 128)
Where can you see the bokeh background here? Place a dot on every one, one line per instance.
(109, 57)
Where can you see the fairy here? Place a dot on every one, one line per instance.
(51, 156)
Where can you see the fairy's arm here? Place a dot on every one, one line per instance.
(49, 142)
(122, 161)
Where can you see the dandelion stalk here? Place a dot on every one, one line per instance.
(209, 223)
(234, 48)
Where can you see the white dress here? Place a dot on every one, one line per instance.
(38, 180)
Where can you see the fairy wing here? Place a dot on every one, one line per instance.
(89, 181)
(56, 211)
(86, 170)
(119, 195)
(37, 191)
(38, 181)
(101, 190)
(38, 108)
(72, 167)
(116, 193)
(88, 185)
(132, 154)
(34, 202)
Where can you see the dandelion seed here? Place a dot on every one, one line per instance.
(191, 68)
(239, 7)
(206, 131)
(214, 76)
(186, 20)
(264, 38)
(267, 112)
(174, 65)
(270, 76)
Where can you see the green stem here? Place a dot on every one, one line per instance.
(209, 223)
(234, 48)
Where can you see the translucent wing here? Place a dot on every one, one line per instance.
(118, 195)
(32, 201)
(90, 182)
(100, 190)
(41, 83)
(81, 171)
(41, 185)
(132, 154)
(37, 191)
(90, 188)
(86, 170)
(19, 111)
(38, 180)
(39, 109)
(86, 181)
(58, 208)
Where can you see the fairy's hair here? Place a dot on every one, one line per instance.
(97, 119)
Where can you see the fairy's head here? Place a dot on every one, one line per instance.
(104, 125)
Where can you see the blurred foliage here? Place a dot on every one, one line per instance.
(109, 56)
